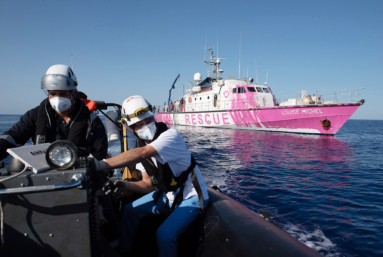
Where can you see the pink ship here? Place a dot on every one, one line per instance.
(239, 104)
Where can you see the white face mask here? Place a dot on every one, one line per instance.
(60, 104)
(147, 132)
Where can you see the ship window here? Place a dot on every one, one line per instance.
(234, 90)
(241, 90)
(200, 98)
(207, 97)
(266, 90)
(251, 89)
(195, 99)
(259, 89)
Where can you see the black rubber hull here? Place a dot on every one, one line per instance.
(233, 230)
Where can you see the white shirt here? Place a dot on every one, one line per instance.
(171, 149)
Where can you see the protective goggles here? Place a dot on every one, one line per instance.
(137, 113)
(62, 93)
(57, 82)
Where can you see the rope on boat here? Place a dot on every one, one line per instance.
(217, 188)
(265, 215)
(13, 176)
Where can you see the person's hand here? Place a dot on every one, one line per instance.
(97, 165)
(121, 186)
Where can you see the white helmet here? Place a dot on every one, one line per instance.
(135, 109)
(59, 77)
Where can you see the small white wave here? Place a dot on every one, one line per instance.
(315, 240)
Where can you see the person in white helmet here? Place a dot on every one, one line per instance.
(62, 116)
(171, 179)
(59, 116)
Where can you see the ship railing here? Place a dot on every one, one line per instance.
(333, 96)
(165, 108)
(340, 95)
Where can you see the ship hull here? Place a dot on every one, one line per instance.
(294, 119)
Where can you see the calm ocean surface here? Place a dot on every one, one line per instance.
(327, 191)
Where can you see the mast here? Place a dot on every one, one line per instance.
(214, 64)
(239, 69)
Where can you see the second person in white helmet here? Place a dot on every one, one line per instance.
(171, 179)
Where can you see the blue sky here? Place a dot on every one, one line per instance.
(123, 48)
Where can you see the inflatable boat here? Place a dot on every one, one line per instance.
(48, 211)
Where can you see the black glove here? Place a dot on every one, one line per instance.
(118, 187)
(121, 186)
(97, 165)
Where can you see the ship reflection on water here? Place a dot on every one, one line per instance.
(268, 154)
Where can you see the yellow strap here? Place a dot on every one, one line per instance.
(126, 175)
(173, 182)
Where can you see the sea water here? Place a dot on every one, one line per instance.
(327, 191)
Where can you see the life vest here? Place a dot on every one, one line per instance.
(80, 129)
(163, 177)
(90, 104)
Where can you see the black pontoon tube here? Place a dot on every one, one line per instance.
(230, 229)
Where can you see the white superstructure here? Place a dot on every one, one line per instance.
(215, 93)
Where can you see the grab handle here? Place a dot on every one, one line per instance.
(77, 181)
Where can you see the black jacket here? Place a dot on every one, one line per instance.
(25, 129)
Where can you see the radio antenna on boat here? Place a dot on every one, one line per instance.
(204, 55)
(256, 73)
(217, 42)
(210, 49)
(204, 58)
(239, 69)
(72, 61)
(247, 72)
(267, 74)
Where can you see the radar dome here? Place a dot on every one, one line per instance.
(197, 77)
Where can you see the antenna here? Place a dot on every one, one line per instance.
(247, 72)
(217, 61)
(267, 74)
(72, 61)
(217, 42)
(210, 49)
(204, 55)
(239, 69)
(256, 73)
